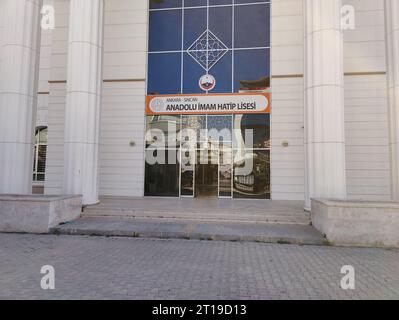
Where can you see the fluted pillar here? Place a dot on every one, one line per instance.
(19, 65)
(392, 40)
(82, 113)
(324, 101)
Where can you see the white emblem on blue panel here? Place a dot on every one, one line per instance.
(207, 50)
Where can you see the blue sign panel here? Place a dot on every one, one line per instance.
(208, 46)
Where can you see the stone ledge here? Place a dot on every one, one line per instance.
(34, 197)
(357, 223)
(37, 213)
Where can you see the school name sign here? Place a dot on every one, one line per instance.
(234, 103)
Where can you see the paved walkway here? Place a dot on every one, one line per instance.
(129, 268)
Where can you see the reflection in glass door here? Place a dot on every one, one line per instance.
(217, 162)
(206, 173)
(187, 176)
(225, 173)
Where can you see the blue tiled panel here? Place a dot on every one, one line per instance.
(160, 4)
(251, 30)
(194, 3)
(164, 71)
(165, 30)
(222, 72)
(191, 74)
(249, 1)
(250, 65)
(220, 23)
(219, 2)
(251, 26)
(194, 26)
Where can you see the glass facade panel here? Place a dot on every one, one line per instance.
(225, 172)
(165, 22)
(206, 47)
(193, 131)
(162, 177)
(206, 173)
(187, 172)
(210, 166)
(160, 4)
(251, 174)
(163, 131)
(230, 42)
(220, 130)
(258, 126)
(40, 155)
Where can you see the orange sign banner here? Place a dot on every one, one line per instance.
(223, 103)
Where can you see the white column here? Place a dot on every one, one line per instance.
(82, 114)
(19, 66)
(392, 40)
(324, 101)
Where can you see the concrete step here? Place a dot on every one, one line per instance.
(192, 229)
(237, 216)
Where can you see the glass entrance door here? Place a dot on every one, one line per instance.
(187, 174)
(201, 155)
(225, 173)
(206, 174)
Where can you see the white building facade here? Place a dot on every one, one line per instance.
(334, 118)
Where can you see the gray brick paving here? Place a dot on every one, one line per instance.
(130, 268)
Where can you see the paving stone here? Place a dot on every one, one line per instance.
(134, 268)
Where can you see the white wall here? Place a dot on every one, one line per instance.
(122, 114)
(367, 137)
(57, 99)
(44, 74)
(366, 109)
(122, 121)
(287, 175)
(287, 125)
(366, 119)
(1, 26)
(364, 47)
(287, 37)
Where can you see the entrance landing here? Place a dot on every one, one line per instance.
(230, 210)
(203, 219)
(195, 230)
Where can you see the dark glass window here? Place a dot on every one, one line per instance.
(161, 4)
(40, 154)
(165, 30)
(167, 80)
(251, 65)
(253, 181)
(195, 3)
(260, 126)
(187, 173)
(163, 131)
(225, 172)
(162, 179)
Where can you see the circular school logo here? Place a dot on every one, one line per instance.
(157, 105)
(207, 82)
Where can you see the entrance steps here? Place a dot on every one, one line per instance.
(206, 210)
(193, 230)
(197, 219)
